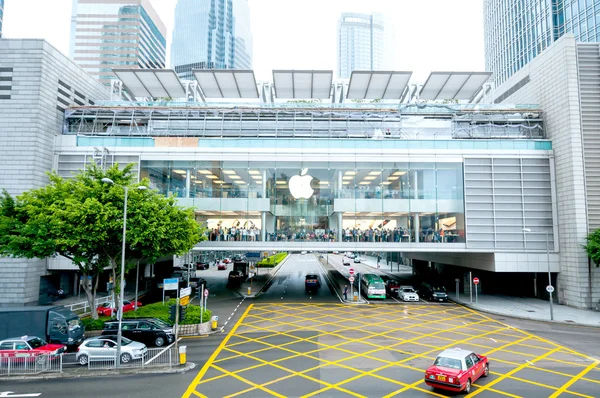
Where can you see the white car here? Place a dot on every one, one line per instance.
(106, 347)
(357, 259)
(407, 293)
(346, 261)
(303, 252)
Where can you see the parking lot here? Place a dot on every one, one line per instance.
(329, 350)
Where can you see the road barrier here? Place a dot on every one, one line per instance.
(30, 364)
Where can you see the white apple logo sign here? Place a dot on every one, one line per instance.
(300, 185)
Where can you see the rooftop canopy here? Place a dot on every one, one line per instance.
(155, 83)
(303, 84)
(377, 84)
(453, 85)
(226, 83)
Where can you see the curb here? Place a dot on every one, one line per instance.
(130, 371)
(547, 321)
(273, 272)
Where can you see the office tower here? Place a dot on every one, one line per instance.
(1, 15)
(211, 34)
(517, 31)
(361, 43)
(107, 34)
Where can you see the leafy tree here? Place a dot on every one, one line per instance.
(593, 247)
(82, 219)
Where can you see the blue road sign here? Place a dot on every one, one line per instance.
(253, 254)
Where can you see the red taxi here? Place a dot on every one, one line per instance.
(28, 347)
(222, 267)
(456, 369)
(107, 309)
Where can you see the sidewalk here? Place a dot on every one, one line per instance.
(529, 308)
(394, 268)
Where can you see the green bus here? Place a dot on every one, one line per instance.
(372, 286)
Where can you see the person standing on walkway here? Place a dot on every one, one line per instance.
(346, 292)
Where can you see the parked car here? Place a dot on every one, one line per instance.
(346, 261)
(146, 330)
(106, 347)
(433, 292)
(108, 309)
(222, 267)
(392, 287)
(202, 266)
(407, 293)
(456, 370)
(28, 347)
(311, 283)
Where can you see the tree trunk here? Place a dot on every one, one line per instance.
(94, 294)
(116, 285)
(90, 295)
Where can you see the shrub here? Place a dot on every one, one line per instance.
(94, 324)
(272, 261)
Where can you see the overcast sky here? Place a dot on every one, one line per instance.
(439, 35)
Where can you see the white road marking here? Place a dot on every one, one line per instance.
(493, 340)
(157, 355)
(12, 394)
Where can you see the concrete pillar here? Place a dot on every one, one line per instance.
(264, 183)
(417, 226)
(188, 183)
(340, 229)
(263, 226)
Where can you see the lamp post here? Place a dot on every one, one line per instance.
(122, 283)
(550, 287)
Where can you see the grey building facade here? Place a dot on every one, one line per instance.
(361, 43)
(37, 84)
(518, 31)
(211, 34)
(563, 79)
(108, 34)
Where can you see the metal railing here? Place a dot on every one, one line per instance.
(84, 307)
(30, 364)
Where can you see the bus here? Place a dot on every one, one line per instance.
(372, 286)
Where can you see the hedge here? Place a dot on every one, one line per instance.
(272, 261)
(156, 310)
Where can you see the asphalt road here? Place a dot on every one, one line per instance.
(286, 322)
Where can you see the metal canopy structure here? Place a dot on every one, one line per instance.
(453, 85)
(377, 84)
(226, 83)
(154, 83)
(302, 84)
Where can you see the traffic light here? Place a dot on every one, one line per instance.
(182, 310)
(172, 312)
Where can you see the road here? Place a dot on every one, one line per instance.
(290, 343)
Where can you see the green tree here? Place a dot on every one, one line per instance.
(593, 247)
(82, 219)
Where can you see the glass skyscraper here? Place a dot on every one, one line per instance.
(361, 43)
(1, 15)
(517, 31)
(211, 34)
(107, 34)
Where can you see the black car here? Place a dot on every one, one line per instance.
(312, 283)
(391, 287)
(202, 266)
(433, 292)
(149, 331)
(235, 278)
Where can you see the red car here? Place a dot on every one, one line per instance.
(456, 370)
(28, 347)
(227, 260)
(107, 309)
(222, 267)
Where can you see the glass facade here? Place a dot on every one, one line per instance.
(361, 43)
(323, 201)
(211, 33)
(1, 15)
(106, 35)
(517, 31)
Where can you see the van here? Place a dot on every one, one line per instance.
(150, 331)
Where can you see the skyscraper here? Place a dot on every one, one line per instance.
(107, 34)
(1, 15)
(361, 43)
(211, 34)
(517, 31)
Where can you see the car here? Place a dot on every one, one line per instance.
(200, 266)
(108, 308)
(227, 260)
(336, 252)
(357, 259)
(149, 331)
(235, 278)
(106, 347)
(222, 267)
(433, 292)
(407, 293)
(303, 252)
(346, 261)
(391, 287)
(29, 347)
(311, 282)
(456, 370)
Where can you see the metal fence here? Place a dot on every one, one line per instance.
(31, 365)
(83, 307)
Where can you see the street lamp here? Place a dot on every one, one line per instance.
(121, 298)
(549, 288)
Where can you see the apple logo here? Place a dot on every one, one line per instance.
(300, 185)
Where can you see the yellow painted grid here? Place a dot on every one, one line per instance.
(365, 334)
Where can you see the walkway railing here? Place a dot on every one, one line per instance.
(84, 307)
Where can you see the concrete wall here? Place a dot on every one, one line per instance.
(554, 85)
(39, 82)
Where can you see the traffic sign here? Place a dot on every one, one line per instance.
(351, 279)
(186, 291)
(476, 280)
(550, 288)
(205, 292)
(185, 300)
(171, 284)
(351, 271)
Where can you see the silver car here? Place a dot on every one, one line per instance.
(106, 347)
(407, 293)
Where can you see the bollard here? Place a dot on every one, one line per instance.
(214, 320)
(182, 355)
(249, 291)
(355, 296)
